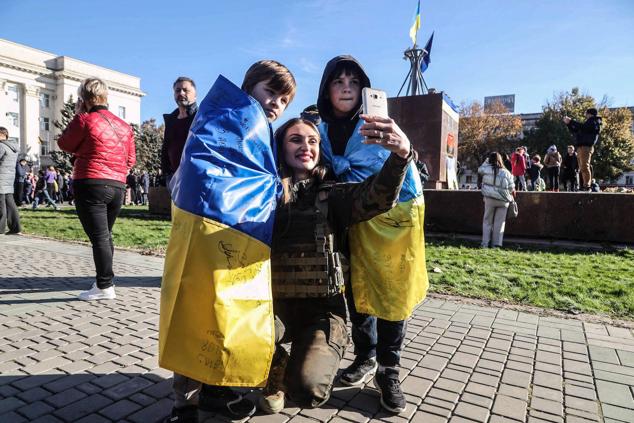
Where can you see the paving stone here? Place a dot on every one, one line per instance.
(424, 417)
(34, 410)
(82, 408)
(509, 407)
(416, 386)
(66, 397)
(516, 378)
(547, 406)
(514, 391)
(576, 391)
(479, 389)
(615, 394)
(618, 413)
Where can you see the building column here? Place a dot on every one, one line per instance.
(30, 141)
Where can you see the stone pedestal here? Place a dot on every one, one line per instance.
(159, 201)
(431, 124)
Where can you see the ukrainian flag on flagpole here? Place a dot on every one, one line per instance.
(216, 319)
(413, 31)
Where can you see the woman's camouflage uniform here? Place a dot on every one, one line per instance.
(309, 269)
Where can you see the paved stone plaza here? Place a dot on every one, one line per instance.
(63, 360)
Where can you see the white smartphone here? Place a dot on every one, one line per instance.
(374, 102)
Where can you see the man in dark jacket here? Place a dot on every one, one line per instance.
(177, 125)
(570, 170)
(587, 135)
(21, 170)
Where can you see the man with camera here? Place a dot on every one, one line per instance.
(587, 136)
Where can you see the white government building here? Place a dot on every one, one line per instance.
(34, 85)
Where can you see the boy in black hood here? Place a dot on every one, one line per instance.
(342, 117)
(377, 342)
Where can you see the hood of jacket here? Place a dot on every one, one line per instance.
(11, 144)
(323, 102)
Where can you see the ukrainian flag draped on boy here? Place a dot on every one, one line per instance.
(388, 272)
(216, 320)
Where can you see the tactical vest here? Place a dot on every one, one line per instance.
(304, 260)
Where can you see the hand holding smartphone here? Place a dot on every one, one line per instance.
(374, 102)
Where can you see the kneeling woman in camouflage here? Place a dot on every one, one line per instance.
(308, 259)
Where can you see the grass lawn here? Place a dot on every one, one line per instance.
(571, 281)
(135, 228)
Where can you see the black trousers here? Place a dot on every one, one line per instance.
(98, 207)
(18, 193)
(553, 178)
(9, 214)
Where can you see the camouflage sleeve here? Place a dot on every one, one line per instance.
(355, 202)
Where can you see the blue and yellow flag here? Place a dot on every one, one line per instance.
(216, 321)
(387, 253)
(413, 31)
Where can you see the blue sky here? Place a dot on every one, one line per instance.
(490, 47)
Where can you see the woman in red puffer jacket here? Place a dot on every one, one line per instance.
(103, 150)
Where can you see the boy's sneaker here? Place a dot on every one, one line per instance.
(359, 372)
(188, 414)
(225, 401)
(388, 384)
(95, 293)
(272, 399)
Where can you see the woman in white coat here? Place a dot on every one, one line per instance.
(498, 191)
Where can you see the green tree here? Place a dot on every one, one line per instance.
(61, 159)
(148, 139)
(615, 149)
(483, 131)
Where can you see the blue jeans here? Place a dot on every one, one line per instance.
(43, 197)
(374, 337)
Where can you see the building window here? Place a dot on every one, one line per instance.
(629, 180)
(44, 124)
(44, 145)
(14, 119)
(469, 179)
(45, 101)
(121, 112)
(12, 92)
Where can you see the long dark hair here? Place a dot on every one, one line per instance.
(495, 160)
(286, 173)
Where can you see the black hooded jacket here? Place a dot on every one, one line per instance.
(339, 129)
(587, 133)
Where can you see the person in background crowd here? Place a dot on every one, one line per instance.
(518, 168)
(8, 210)
(570, 170)
(587, 136)
(534, 172)
(29, 183)
(144, 184)
(506, 159)
(594, 186)
(552, 161)
(498, 191)
(177, 125)
(21, 169)
(41, 194)
(60, 186)
(132, 183)
(51, 179)
(104, 150)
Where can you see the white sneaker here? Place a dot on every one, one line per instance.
(95, 293)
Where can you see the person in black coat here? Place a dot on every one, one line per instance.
(587, 136)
